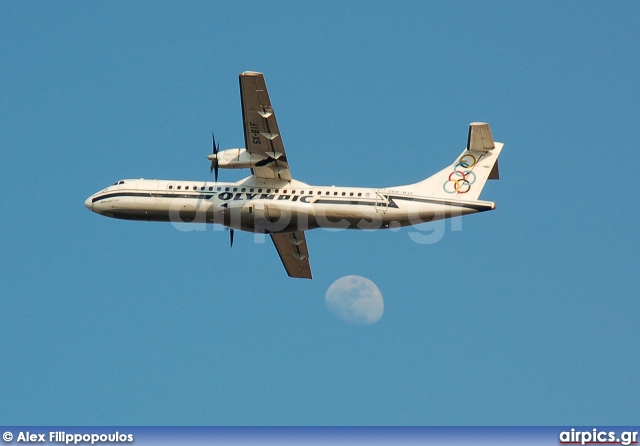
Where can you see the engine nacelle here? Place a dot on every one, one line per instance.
(236, 159)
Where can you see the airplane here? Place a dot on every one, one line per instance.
(270, 201)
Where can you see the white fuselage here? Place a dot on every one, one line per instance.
(290, 207)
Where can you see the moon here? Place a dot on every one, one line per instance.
(355, 299)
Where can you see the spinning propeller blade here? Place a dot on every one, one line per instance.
(214, 160)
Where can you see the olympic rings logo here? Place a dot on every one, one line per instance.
(461, 179)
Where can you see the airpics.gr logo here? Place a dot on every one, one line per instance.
(461, 179)
(596, 436)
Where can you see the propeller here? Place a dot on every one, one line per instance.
(214, 168)
(214, 157)
(230, 235)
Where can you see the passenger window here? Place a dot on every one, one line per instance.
(259, 190)
(202, 188)
(251, 190)
(219, 189)
(179, 187)
(226, 189)
(335, 193)
(343, 194)
(243, 189)
(211, 188)
(170, 187)
(351, 194)
(268, 191)
(327, 193)
(359, 194)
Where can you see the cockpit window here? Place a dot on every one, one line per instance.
(121, 182)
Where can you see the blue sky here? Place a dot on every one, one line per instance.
(528, 315)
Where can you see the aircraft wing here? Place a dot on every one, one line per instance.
(292, 249)
(261, 133)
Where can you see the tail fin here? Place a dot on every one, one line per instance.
(466, 177)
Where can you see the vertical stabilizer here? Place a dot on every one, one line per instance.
(466, 177)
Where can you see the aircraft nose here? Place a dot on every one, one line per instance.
(88, 204)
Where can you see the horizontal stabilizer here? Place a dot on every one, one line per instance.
(480, 138)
